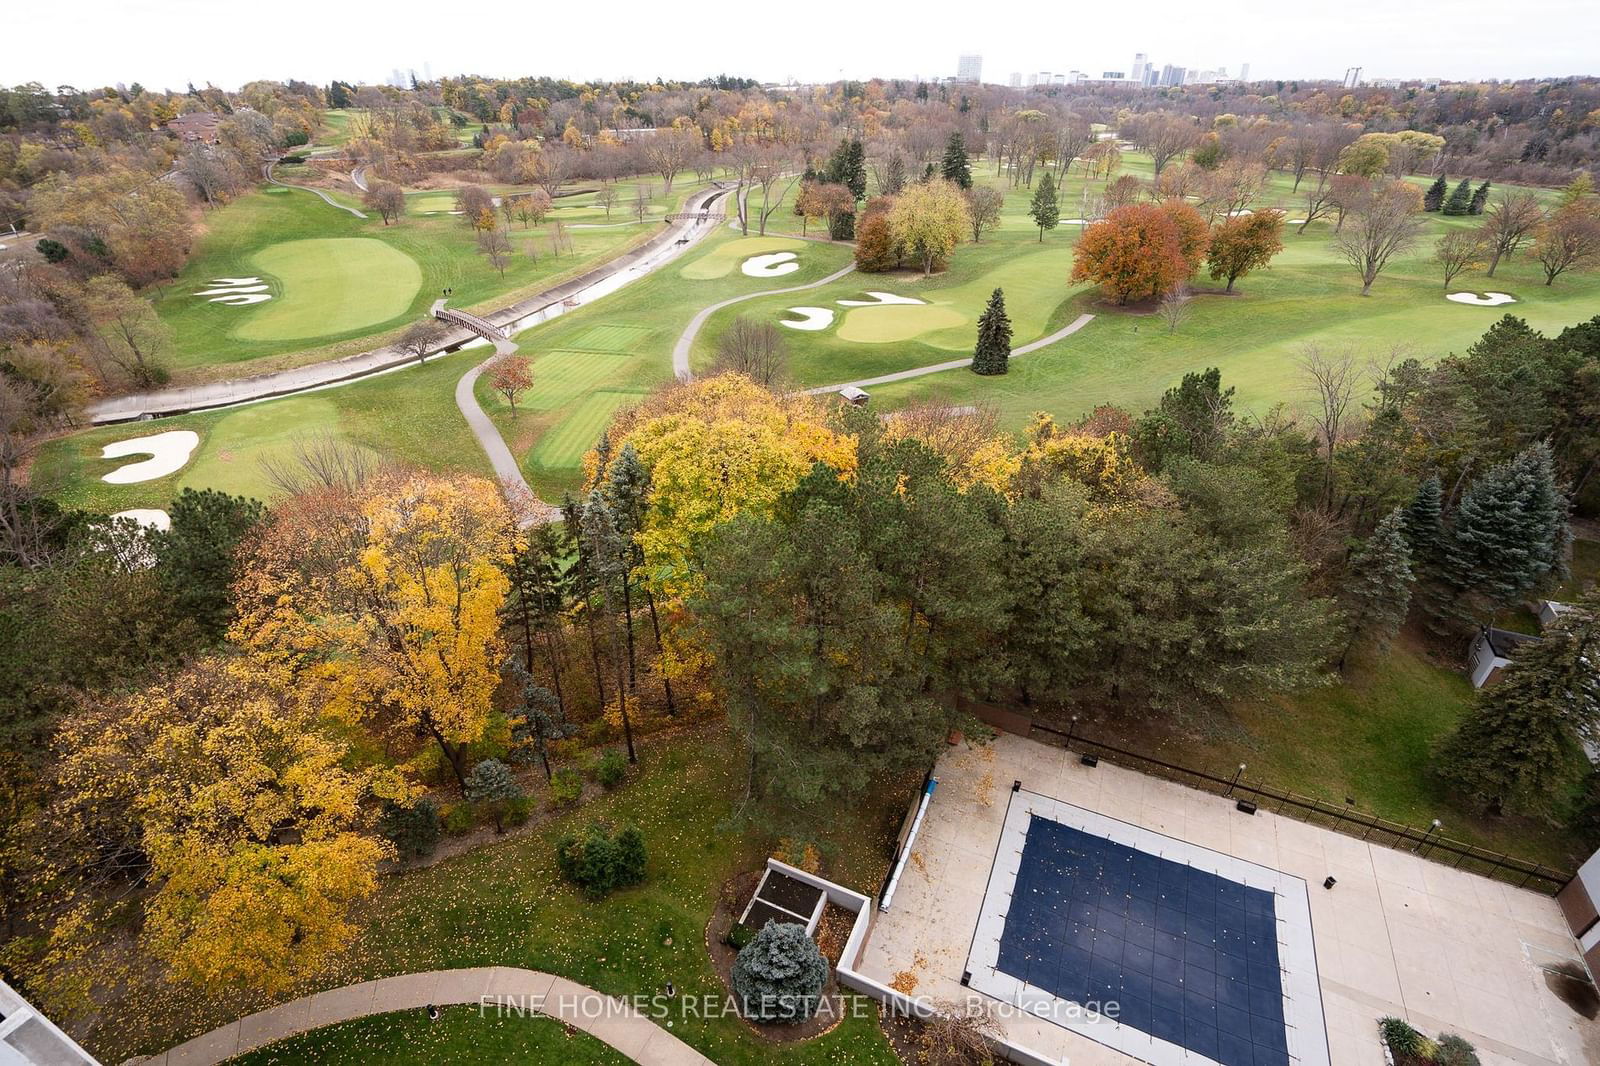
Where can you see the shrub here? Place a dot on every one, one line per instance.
(1404, 1042)
(519, 810)
(492, 785)
(414, 831)
(738, 936)
(778, 976)
(459, 818)
(52, 250)
(566, 786)
(295, 138)
(1454, 1051)
(611, 768)
(598, 863)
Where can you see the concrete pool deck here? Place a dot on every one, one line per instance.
(1398, 935)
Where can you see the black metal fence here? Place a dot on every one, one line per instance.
(1427, 843)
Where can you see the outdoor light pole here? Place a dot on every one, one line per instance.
(1072, 728)
(1236, 775)
(1434, 828)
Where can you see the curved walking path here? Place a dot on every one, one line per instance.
(680, 350)
(606, 1018)
(358, 177)
(607, 277)
(266, 171)
(956, 364)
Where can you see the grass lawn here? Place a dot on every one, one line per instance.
(460, 1035)
(507, 905)
(408, 415)
(329, 285)
(589, 363)
(1368, 738)
(1308, 295)
(342, 284)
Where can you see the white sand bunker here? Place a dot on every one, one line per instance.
(168, 452)
(879, 299)
(1488, 299)
(810, 318)
(771, 265)
(149, 517)
(237, 292)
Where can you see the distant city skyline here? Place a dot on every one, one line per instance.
(172, 42)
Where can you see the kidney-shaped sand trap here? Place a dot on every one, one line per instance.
(879, 299)
(168, 452)
(771, 265)
(810, 318)
(1488, 299)
(151, 517)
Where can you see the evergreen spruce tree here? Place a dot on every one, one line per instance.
(993, 354)
(1433, 199)
(1377, 591)
(1044, 210)
(1508, 535)
(1479, 199)
(1460, 201)
(1422, 524)
(956, 166)
(1520, 750)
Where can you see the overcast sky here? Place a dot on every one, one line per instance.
(167, 43)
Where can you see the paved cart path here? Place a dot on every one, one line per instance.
(608, 1019)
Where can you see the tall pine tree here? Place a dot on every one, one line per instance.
(1044, 210)
(1479, 199)
(993, 354)
(1460, 201)
(1433, 199)
(956, 166)
(1520, 749)
(1508, 535)
(1377, 591)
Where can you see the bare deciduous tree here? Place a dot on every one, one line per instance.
(319, 461)
(1332, 380)
(755, 349)
(1457, 252)
(386, 198)
(1509, 221)
(1385, 218)
(983, 205)
(421, 337)
(1175, 306)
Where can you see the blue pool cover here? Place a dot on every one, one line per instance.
(1188, 956)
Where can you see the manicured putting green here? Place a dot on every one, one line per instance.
(424, 203)
(561, 376)
(897, 322)
(330, 285)
(725, 258)
(613, 338)
(563, 448)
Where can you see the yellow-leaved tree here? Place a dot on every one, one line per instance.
(1103, 464)
(716, 448)
(224, 795)
(383, 601)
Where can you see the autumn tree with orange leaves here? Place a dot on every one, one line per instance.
(1137, 252)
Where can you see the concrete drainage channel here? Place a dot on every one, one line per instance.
(600, 281)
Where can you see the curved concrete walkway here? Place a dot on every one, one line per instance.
(606, 1018)
(266, 171)
(956, 364)
(680, 351)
